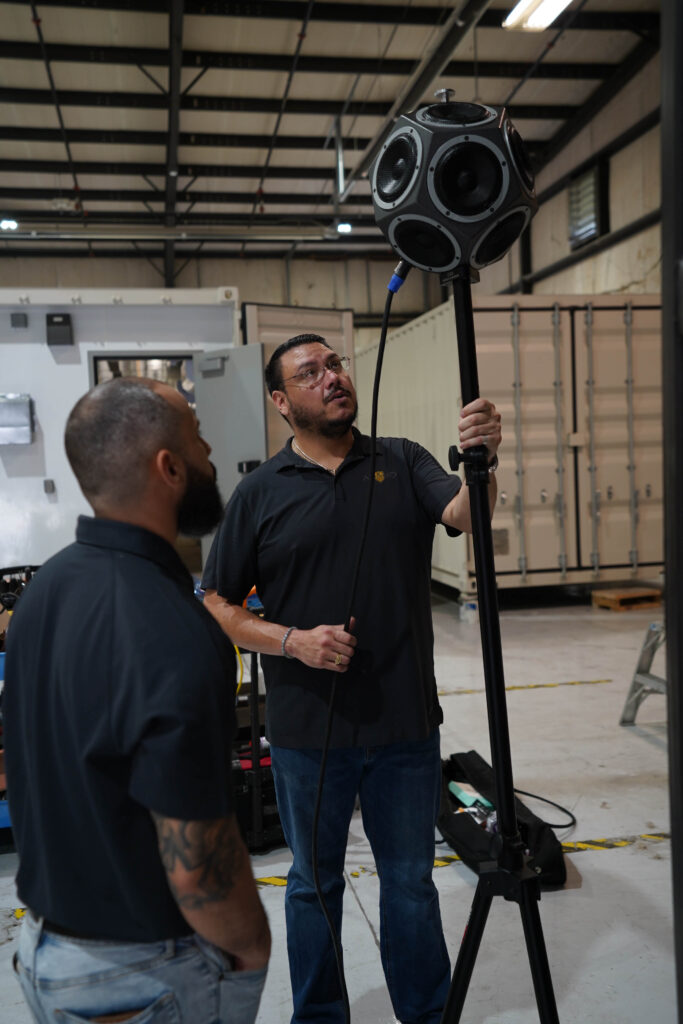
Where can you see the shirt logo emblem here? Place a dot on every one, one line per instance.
(379, 476)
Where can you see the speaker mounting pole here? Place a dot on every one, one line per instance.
(508, 873)
(452, 190)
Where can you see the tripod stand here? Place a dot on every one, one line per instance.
(507, 874)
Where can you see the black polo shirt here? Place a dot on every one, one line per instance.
(119, 699)
(292, 529)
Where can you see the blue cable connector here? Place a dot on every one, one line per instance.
(398, 277)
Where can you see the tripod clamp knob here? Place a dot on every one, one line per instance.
(475, 461)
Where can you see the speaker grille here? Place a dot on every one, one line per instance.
(520, 157)
(500, 237)
(424, 243)
(468, 178)
(397, 167)
(455, 114)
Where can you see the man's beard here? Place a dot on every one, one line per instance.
(319, 425)
(201, 507)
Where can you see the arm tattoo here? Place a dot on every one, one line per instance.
(211, 848)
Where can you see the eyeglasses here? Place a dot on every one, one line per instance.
(313, 375)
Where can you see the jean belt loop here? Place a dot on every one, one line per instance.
(38, 934)
(39, 922)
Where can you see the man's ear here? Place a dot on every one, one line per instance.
(281, 403)
(170, 468)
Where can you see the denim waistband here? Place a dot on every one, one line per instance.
(70, 933)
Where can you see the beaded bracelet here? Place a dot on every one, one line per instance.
(284, 641)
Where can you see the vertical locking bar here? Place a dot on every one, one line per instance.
(630, 419)
(592, 469)
(559, 445)
(519, 454)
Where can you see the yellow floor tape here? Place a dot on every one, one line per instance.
(529, 686)
(280, 881)
(442, 862)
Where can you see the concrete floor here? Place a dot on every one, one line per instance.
(609, 931)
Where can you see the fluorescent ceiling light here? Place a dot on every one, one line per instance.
(535, 15)
(344, 228)
(8, 225)
(209, 233)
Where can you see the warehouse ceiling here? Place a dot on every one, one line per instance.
(199, 128)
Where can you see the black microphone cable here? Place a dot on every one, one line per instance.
(397, 279)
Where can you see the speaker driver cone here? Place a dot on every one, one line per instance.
(500, 237)
(424, 243)
(462, 114)
(520, 157)
(468, 178)
(397, 168)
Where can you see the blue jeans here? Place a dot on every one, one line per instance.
(399, 788)
(180, 980)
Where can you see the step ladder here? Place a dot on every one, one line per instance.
(644, 682)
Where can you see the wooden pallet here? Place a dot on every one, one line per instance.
(629, 597)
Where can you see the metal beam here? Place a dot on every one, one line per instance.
(312, 250)
(175, 59)
(243, 104)
(672, 433)
(641, 55)
(55, 100)
(159, 170)
(154, 101)
(111, 137)
(434, 62)
(131, 196)
(636, 131)
(245, 231)
(589, 250)
(137, 220)
(73, 54)
(641, 22)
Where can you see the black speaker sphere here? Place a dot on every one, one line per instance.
(452, 186)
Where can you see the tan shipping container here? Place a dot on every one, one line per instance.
(578, 383)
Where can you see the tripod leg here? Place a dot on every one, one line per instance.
(538, 958)
(469, 948)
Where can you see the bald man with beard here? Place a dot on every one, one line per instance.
(118, 723)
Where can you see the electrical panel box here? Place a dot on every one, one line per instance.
(58, 329)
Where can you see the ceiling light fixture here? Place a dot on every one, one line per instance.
(8, 225)
(344, 228)
(200, 233)
(534, 15)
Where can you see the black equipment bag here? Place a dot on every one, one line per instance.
(256, 809)
(473, 843)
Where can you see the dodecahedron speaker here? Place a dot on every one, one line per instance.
(453, 186)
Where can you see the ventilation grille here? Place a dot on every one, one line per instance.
(587, 208)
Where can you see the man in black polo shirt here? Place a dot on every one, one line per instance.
(292, 528)
(119, 720)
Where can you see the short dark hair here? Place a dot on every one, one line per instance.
(273, 371)
(113, 432)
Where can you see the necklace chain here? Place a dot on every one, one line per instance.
(308, 458)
